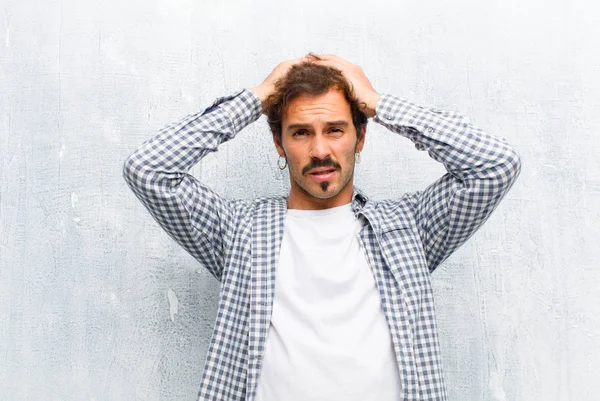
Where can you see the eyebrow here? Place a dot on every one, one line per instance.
(339, 123)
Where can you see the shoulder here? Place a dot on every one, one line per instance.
(248, 208)
(396, 213)
(269, 202)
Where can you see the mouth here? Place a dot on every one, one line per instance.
(322, 174)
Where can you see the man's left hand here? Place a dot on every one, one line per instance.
(363, 89)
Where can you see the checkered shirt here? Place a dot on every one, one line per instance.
(404, 239)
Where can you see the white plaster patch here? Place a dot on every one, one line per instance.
(133, 70)
(189, 98)
(496, 386)
(117, 57)
(179, 10)
(111, 298)
(173, 303)
(51, 321)
(111, 131)
(74, 199)
(7, 42)
(111, 52)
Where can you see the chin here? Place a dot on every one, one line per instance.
(315, 190)
(322, 195)
(318, 192)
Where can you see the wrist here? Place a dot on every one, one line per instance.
(242, 109)
(262, 94)
(371, 109)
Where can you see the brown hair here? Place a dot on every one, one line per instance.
(310, 79)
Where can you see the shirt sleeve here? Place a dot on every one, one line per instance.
(157, 172)
(481, 168)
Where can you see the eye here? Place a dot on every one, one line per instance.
(336, 130)
(300, 132)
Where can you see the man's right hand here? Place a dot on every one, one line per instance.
(268, 86)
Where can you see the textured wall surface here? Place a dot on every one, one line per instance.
(97, 303)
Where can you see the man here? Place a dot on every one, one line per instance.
(325, 294)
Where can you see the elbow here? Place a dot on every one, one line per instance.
(146, 179)
(128, 170)
(507, 170)
(133, 172)
(513, 163)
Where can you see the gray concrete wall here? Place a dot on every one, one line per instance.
(97, 303)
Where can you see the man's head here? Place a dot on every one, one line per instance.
(309, 79)
(318, 126)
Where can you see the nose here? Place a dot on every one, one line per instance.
(320, 147)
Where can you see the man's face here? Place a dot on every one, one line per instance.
(319, 141)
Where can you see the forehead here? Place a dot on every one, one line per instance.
(308, 108)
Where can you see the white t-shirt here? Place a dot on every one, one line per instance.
(328, 338)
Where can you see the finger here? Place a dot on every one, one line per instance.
(312, 55)
(286, 65)
(331, 63)
(324, 56)
(336, 62)
(292, 62)
(333, 58)
(300, 60)
(321, 58)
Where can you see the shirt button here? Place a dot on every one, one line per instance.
(388, 116)
(430, 130)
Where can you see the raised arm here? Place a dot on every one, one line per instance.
(481, 168)
(197, 218)
(192, 214)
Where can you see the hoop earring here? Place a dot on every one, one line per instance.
(357, 158)
(279, 163)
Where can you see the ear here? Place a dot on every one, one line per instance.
(361, 139)
(278, 145)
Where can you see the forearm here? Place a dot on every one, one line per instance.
(466, 151)
(481, 168)
(192, 214)
(166, 157)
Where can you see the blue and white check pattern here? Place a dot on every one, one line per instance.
(404, 239)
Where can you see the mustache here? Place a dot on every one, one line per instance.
(315, 163)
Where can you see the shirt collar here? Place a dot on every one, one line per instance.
(359, 199)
